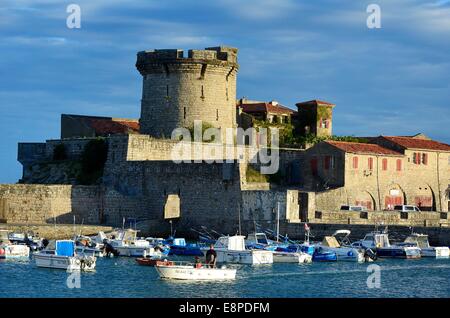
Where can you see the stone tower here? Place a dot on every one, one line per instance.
(315, 117)
(178, 90)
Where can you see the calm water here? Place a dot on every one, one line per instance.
(122, 277)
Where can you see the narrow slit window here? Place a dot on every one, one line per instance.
(217, 114)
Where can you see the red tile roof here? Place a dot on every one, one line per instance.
(265, 108)
(418, 143)
(106, 126)
(362, 148)
(315, 102)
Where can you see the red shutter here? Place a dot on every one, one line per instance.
(417, 154)
(384, 164)
(355, 162)
(370, 163)
(425, 158)
(399, 165)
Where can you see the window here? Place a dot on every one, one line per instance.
(217, 114)
(203, 93)
(416, 158)
(324, 123)
(370, 163)
(384, 164)
(332, 163)
(355, 162)
(399, 164)
(425, 158)
(313, 163)
(326, 162)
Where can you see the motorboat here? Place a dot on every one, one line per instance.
(231, 249)
(127, 244)
(86, 245)
(291, 257)
(421, 241)
(10, 250)
(343, 253)
(29, 239)
(323, 255)
(379, 242)
(178, 246)
(190, 271)
(260, 241)
(61, 254)
(148, 261)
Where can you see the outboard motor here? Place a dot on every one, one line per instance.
(369, 254)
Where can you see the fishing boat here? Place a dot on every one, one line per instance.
(10, 250)
(421, 241)
(61, 254)
(178, 246)
(379, 242)
(28, 239)
(343, 253)
(189, 271)
(231, 249)
(127, 244)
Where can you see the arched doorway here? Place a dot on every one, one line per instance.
(424, 198)
(394, 196)
(364, 198)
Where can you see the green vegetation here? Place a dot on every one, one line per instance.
(59, 152)
(253, 175)
(205, 126)
(93, 161)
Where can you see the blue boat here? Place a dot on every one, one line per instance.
(322, 255)
(178, 246)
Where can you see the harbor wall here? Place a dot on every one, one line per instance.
(60, 231)
(32, 203)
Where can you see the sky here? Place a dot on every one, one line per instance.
(393, 80)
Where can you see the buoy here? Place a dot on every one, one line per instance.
(2, 251)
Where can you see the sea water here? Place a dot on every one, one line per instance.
(123, 277)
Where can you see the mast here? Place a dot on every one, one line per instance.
(278, 221)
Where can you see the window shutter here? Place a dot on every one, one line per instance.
(355, 162)
(399, 165)
(370, 163)
(425, 158)
(384, 164)
(326, 162)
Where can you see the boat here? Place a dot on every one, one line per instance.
(322, 255)
(147, 261)
(291, 257)
(61, 254)
(343, 253)
(421, 241)
(178, 246)
(231, 249)
(379, 242)
(86, 245)
(127, 244)
(190, 271)
(10, 250)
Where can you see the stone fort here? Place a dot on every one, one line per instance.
(105, 170)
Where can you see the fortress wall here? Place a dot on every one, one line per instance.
(20, 203)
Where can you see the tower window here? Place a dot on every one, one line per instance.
(226, 92)
(203, 93)
(217, 114)
(184, 114)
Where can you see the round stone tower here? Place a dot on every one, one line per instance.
(178, 90)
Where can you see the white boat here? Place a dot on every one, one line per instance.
(421, 241)
(9, 250)
(61, 254)
(294, 257)
(379, 242)
(127, 244)
(186, 271)
(87, 245)
(343, 253)
(231, 249)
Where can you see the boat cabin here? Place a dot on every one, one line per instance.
(234, 243)
(375, 239)
(420, 240)
(258, 238)
(330, 241)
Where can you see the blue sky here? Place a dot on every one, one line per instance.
(392, 81)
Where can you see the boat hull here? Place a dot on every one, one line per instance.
(437, 252)
(14, 251)
(286, 257)
(69, 263)
(191, 273)
(132, 251)
(248, 257)
(324, 257)
(398, 252)
(347, 254)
